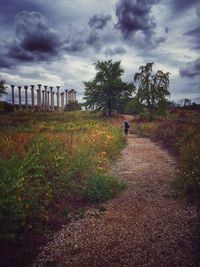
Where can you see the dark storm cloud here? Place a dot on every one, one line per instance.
(99, 22)
(10, 8)
(198, 11)
(4, 63)
(182, 5)
(118, 50)
(15, 51)
(134, 16)
(191, 70)
(195, 37)
(93, 40)
(34, 39)
(34, 33)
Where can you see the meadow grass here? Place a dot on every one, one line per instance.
(48, 160)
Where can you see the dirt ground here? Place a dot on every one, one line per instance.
(144, 226)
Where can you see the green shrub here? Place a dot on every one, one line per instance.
(65, 213)
(187, 182)
(100, 187)
(12, 214)
(144, 129)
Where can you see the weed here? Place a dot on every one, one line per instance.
(100, 187)
(65, 213)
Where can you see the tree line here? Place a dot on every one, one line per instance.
(107, 92)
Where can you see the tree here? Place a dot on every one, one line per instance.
(2, 87)
(133, 106)
(107, 91)
(152, 88)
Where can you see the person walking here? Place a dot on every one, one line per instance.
(126, 127)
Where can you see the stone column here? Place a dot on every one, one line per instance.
(62, 101)
(74, 96)
(13, 96)
(43, 99)
(53, 101)
(58, 98)
(51, 89)
(66, 97)
(45, 96)
(38, 100)
(48, 102)
(39, 96)
(20, 97)
(26, 96)
(69, 96)
(32, 96)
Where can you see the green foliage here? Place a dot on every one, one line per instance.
(187, 182)
(12, 215)
(107, 91)
(72, 106)
(65, 213)
(47, 157)
(180, 134)
(133, 106)
(100, 187)
(144, 129)
(152, 88)
(2, 87)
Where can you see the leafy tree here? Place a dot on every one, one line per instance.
(152, 88)
(187, 102)
(2, 87)
(134, 106)
(107, 92)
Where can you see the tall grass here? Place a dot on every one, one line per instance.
(49, 158)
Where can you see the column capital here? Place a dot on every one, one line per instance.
(12, 85)
(58, 87)
(39, 85)
(32, 86)
(45, 87)
(25, 87)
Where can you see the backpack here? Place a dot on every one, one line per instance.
(126, 125)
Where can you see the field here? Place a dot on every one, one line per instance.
(51, 166)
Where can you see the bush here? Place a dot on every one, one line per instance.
(100, 187)
(187, 182)
(144, 129)
(12, 213)
(72, 106)
(180, 134)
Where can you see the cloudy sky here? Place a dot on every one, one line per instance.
(57, 42)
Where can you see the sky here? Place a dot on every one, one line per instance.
(57, 42)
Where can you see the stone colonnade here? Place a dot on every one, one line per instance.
(45, 97)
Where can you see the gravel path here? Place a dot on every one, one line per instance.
(142, 227)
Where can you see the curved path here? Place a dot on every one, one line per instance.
(142, 227)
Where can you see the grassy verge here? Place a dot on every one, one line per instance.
(52, 164)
